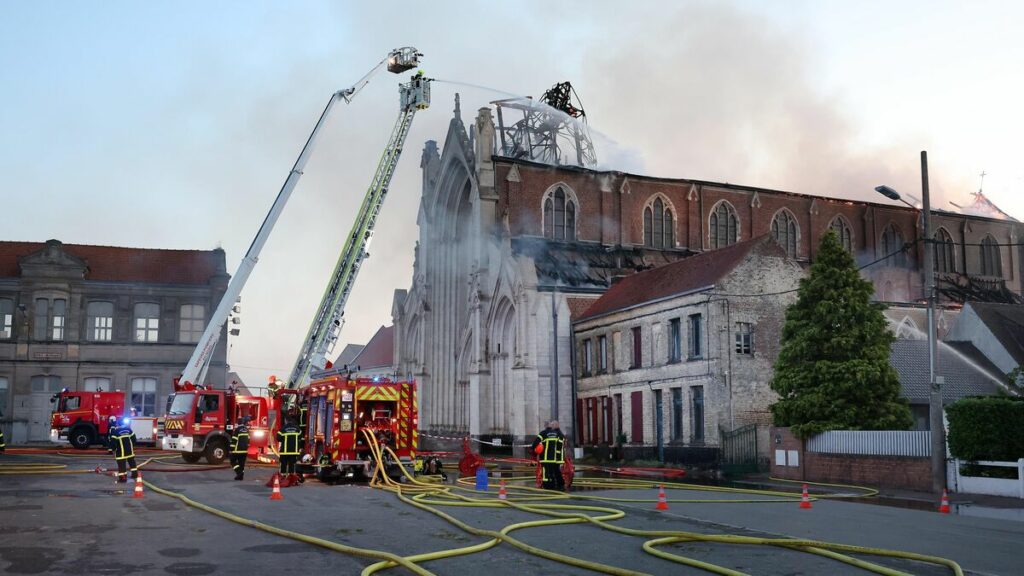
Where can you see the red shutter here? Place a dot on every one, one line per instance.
(636, 404)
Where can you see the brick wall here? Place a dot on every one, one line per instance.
(900, 472)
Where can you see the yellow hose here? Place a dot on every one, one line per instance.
(428, 495)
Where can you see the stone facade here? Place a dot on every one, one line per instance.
(88, 317)
(706, 353)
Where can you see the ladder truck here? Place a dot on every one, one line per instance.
(329, 318)
(397, 61)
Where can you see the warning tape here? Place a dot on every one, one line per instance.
(478, 441)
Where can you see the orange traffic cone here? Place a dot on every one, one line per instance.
(805, 500)
(662, 503)
(944, 506)
(276, 494)
(138, 487)
(502, 494)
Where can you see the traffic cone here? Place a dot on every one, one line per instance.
(276, 494)
(944, 506)
(805, 500)
(662, 503)
(502, 494)
(138, 487)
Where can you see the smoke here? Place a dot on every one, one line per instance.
(709, 92)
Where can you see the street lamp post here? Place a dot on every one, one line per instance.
(935, 412)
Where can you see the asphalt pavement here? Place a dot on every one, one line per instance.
(84, 524)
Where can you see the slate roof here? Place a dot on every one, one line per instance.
(693, 273)
(1006, 321)
(910, 359)
(379, 351)
(348, 355)
(117, 264)
(587, 266)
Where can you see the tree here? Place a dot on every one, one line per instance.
(1015, 378)
(833, 371)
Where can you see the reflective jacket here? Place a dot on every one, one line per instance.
(122, 443)
(553, 442)
(288, 440)
(240, 440)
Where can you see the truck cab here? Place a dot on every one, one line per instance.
(199, 422)
(81, 418)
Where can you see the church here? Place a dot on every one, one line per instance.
(513, 251)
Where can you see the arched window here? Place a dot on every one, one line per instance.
(843, 232)
(943, 251)
(991, 264)
(892, 244)
(784, 232)
(559, 216)
(659, 225)
(724, 225)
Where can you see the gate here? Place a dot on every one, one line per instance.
(739, 450)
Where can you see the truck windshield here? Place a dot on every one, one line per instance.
(182, 404)
(70, 403)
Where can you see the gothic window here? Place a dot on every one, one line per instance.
(943, 252)
(892, 246)
(658, 225)
(724, 226)
(784, 232)
(843, 232)
(990, 261)
(559, 216)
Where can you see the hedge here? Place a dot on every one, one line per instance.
(990, 428)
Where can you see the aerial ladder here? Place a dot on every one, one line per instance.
(326, 326)
(397, 61)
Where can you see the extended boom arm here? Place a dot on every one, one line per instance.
(397, 61)
(323, 332)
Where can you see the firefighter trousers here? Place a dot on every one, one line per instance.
(288, 463)
(238, 464)
(553, 476)
(123, 465)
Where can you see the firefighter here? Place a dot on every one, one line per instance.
(3, 445)
(111, 431)
(240, 447)
(288, 452)
(549, 445)
(122, 442)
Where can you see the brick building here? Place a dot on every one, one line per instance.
(100, 317)
(511, 252)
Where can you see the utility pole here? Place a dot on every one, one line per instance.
(935, 412)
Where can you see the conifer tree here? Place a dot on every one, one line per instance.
(833, 371)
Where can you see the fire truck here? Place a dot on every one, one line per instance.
(341, 409)
(81, 418)
(199, 421)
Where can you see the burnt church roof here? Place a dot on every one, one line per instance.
(588, 267)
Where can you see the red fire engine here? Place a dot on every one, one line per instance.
(81, 418)
(199, 421)
(340, 409)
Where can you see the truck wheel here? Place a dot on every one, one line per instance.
(81, 437)
(191, 457)
(216, 451)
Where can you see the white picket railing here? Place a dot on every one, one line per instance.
(872, 442)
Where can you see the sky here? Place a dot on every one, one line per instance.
(174, 125)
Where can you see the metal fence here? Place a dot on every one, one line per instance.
(872, 443)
